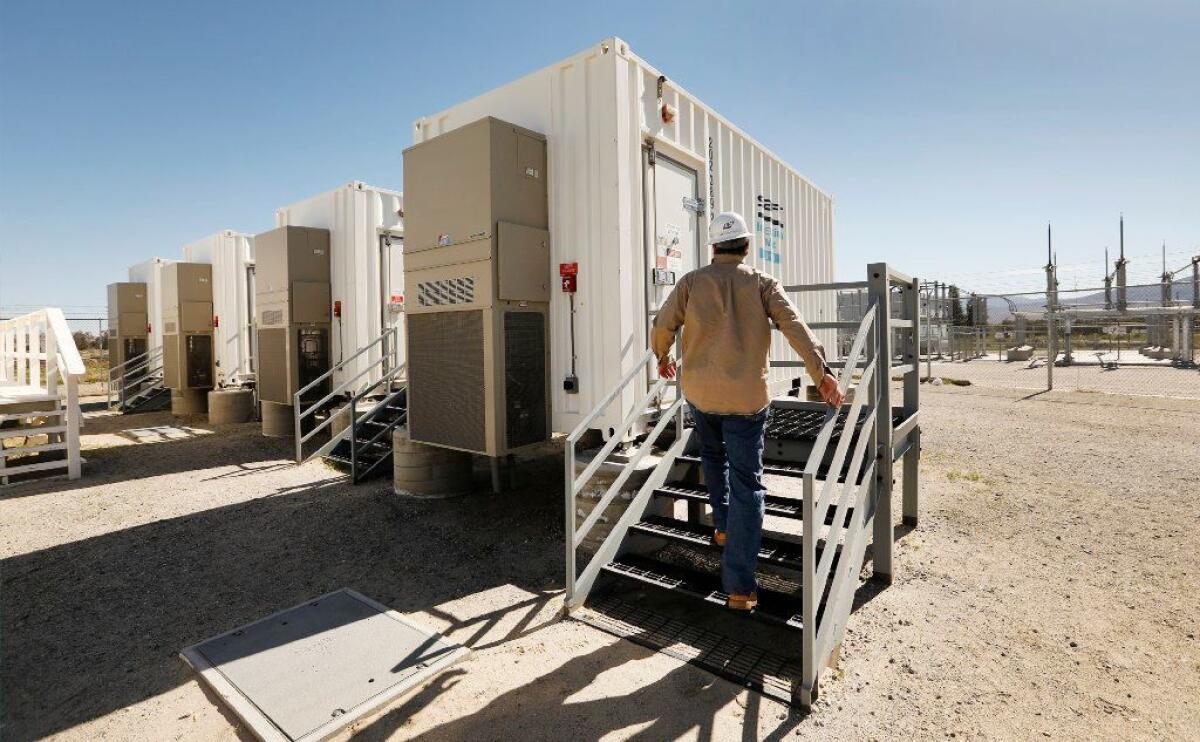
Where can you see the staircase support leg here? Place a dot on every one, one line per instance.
(497, 484)
(912, 461)
(882, 538)
(807, 695)
(71, 416)
(912, 398)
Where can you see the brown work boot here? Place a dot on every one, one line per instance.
(719, 538)
(742, 602)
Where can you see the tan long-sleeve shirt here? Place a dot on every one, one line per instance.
(726, 310)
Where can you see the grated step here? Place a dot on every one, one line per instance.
(773, 672)
(780, 507)
(773, 551)
(773, 607)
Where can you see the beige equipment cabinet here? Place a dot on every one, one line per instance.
(127, 320)
(187, 326)
(293, 312)
(477, 286)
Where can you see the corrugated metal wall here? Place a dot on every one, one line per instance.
(229, 253)
(149, 272)
(597, 109)
(354, 214)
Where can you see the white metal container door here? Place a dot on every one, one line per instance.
(391, 288)
(676, 226)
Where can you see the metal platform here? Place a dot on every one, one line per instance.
(746, 664)
(309, 671)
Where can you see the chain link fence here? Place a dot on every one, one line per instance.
(1007, 342)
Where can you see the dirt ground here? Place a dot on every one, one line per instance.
(1051, 589)
(1147, 378)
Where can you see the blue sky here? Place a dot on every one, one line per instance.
(948, 132)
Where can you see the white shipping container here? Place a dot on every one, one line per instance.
(636, 168)
(366, 236)
(231, 255)
(149, 272)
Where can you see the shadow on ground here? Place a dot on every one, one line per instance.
(113, 611)
(96, 625)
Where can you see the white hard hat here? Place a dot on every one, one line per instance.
(728, 225)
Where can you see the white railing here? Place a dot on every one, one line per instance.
(132, 375)
(40, 363)
(387, 362)
(861, 503)
(577, 587)
(849, 497)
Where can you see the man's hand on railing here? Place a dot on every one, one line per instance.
(667, 368)
(830, 393)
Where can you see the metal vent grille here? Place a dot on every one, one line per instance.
(273, 362)
(525, 377)
(445, 380)
(446, 292)
(272, 317)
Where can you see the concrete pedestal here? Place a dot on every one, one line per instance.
(278, 420)
(428, 471)
(189, 401)
(1019, 353)
(228, 406)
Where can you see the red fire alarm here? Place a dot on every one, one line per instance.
(568, 272)
(147, 328)
(216, 321)
(337, 309)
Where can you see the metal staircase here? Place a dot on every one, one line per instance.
(372, 410)
(137, 384)
(40, 369)
(368, 448)
(656, 574)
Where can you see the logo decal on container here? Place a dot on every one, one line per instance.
(443, 240)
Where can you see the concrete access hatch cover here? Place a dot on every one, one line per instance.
(305, 673)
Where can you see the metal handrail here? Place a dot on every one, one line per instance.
(584, 424)
(343, 362)
(150, 367)
(389, 376)
(117, 374)
(318, 405)
(813, 510)
(844, 379)
(573, 484)
(113, 371)
(338, 390)
(301, 413)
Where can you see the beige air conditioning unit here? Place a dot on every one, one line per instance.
(292, 308)
(127, 322)
(477, 287)
(187, 326)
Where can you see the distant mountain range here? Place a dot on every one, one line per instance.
(998, 309)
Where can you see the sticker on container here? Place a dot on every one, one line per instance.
(443, 240)
(668, 247)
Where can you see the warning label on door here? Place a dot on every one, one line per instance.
(668, 255)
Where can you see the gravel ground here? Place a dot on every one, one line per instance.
(1050, 590)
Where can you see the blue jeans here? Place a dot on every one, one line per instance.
(731, 451)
